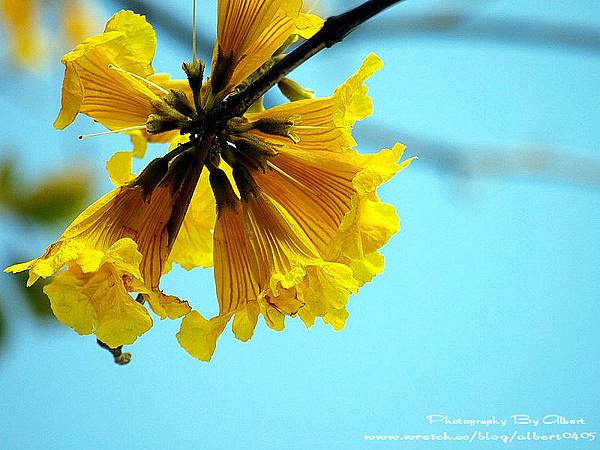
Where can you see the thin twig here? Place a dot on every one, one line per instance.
(121, 358)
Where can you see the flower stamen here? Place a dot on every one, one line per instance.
(194, 39)
(137, 77)
(120, 130)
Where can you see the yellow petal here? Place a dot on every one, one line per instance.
(245, 320)
(236, 285)
(124, 257)
(378, 223)
(235, 268)
(271, 223)
(98, 302)
(353, 103)
(198, 336)
(136, 51)
(240, 23)
(325, 124)
(336, 318)
(291, 273)
(366, 268)
(307, 25)
(315, 190)
(115, 99)
(274, 318)
(251, 31)
(194, 244)
(370, 223)
(326, 289)
(163, 305)
(54, 258)
(330, 283)
(281, 26)
(317, 129)
(139, 140)
(119, 168)
(379, 168)
(69, 303)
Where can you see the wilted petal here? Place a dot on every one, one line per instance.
(98, 301)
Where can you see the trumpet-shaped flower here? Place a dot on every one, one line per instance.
(94, 85)
(249, 33)
(305, 230)
(142, 218)
(287, 210)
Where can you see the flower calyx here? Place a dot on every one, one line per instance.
(269, 125)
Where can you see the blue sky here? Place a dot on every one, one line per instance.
(489, 304)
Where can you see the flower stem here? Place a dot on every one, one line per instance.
(335, 29)
(121, 358)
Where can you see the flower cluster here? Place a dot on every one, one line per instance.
(286, 209)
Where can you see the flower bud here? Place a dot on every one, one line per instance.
(180, 103)
(293, 91)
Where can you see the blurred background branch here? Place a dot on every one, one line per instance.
(464, 24)
(530, 161)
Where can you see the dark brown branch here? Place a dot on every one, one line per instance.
(334, 30)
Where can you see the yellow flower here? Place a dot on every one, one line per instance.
(113, 98)
(303, 228)
(293, 225)
(250, 32)
(22, 19)
(92, 295)
(119, 244)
